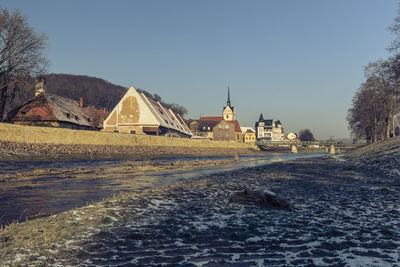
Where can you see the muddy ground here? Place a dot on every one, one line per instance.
(341, 214)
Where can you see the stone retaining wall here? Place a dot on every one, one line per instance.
(47, 135)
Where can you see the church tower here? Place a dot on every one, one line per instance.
(228, 112)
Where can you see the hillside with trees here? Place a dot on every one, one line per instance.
(94, 91)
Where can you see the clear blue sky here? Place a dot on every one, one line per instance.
(297, 61)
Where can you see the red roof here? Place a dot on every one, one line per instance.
(235, 122)
(212, 118)
(237, 126)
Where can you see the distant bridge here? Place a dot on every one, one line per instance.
(326, 143)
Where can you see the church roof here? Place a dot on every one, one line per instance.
(217, 118)
(237, 125)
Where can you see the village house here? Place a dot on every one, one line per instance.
(249, 135)
(269, 130)
(219, 128)
(138, 114)
(50, 110)
(202, 128)
(291, 136)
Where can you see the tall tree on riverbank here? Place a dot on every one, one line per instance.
(364, 117)
(21, 55)
(376, 102)
(306, 135)
(381, 77)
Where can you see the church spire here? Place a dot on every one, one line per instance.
(228, 103)
(228, 112)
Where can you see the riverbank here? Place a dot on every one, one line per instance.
(341, 214)
(11, 151)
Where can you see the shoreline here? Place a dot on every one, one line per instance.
(64, 152)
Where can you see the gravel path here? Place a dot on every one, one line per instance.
(340, 215)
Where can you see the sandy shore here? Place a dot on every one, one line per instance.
(340, 215)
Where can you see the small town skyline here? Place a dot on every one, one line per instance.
(187, 133)
(296, 62)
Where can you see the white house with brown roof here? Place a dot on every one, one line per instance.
(138, 114)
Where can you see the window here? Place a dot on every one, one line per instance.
(23, 112)
(68, 115)
(116, 131)
(76, 118)
(133, 132)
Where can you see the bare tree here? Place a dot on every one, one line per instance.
(306, 135)
(380, 76)
(365, 115)
(395, 29)
(376, 103)
(21, 54)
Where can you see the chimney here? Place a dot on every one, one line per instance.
(81, 102)
(39, 86)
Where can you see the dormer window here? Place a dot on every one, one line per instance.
(68, 115)
(76, 118)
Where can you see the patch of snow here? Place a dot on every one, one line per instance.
(269, 192)
(339, 158)
(395, 172)
(179, 243)
(235, 256)
(260, 262)
(254, 239)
